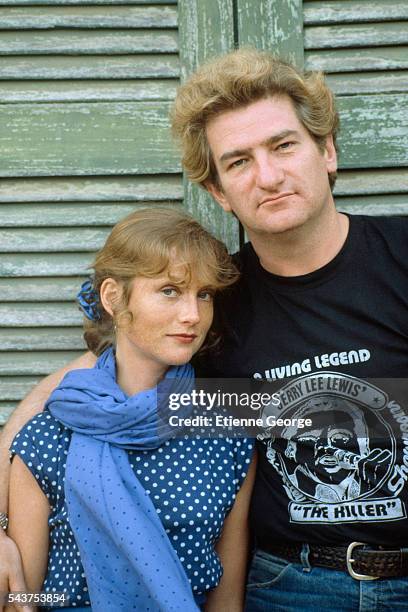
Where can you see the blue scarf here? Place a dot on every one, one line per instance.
(128, 559)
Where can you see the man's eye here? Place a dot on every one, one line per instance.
(238, 162)
(169, 291)
(206, 295)
(286, 145)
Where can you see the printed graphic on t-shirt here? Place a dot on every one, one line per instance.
(337, 452)
(306, 365)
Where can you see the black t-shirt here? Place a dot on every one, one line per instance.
(343, 478)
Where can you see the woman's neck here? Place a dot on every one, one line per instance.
(136, 373)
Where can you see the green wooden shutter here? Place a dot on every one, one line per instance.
(85, 89)
(362, 46)
(207, 29)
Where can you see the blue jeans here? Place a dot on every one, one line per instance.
(70, 609)
(277, 585)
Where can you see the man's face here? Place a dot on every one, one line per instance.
(271, 173)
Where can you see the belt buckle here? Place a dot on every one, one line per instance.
(349, 562)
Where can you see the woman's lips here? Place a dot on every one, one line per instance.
(184, 338)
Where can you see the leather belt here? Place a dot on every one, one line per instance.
(361, 561)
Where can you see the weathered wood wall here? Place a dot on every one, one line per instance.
(207, 29)
(362, 47)
(85, 87)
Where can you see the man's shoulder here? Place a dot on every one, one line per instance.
(382, 222)
(389, 232)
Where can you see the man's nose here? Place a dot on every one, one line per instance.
(270, 173)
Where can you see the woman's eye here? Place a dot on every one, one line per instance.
(206, 295)
(169, 291)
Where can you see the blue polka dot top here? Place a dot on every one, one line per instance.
(192, 483)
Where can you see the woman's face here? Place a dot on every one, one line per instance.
(169, 321)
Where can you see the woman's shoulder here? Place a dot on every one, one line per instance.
(242, 450)
(42, 444)
(42, 429)
(241, 447)
(233, 454)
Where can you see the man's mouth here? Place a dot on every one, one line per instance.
(276, 198)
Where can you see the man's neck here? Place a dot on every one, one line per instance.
(304, 249)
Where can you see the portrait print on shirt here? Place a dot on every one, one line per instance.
(344, 466)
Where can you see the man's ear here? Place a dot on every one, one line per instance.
(110, 293)
(330, 155)
(218, 195)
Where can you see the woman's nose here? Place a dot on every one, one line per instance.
(189, 310)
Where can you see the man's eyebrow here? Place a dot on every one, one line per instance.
(268, 141)
(280, 136)
(234, 153)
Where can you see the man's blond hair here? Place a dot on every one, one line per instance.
(236, 80)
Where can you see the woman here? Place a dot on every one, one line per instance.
(99, 464)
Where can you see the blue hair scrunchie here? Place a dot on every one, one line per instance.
(88, 301)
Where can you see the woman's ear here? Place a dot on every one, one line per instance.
(110, 294)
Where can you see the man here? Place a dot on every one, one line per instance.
(320, 303)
